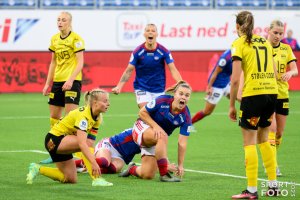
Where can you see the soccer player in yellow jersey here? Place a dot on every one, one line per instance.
(253, 55)
(65, 69)
(285, 62)
(72, 134)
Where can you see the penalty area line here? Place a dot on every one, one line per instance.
(187, 170)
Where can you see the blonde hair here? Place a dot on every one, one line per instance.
(93, 95)
(276, 23)
(246, 21)
(150, 25)
(175, 87)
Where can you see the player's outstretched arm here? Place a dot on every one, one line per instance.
(124, 78)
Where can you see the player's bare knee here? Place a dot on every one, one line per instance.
(147, 176)
(149, 142)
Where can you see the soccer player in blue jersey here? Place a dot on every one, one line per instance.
(218, 85)
(158, 119)
(112, 153)
(148, 60)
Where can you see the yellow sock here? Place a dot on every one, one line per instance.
(268, 160)
(52, 173)
(80, 155)
(53, 121)
(273, 144)
(88, 166)
(251, 162)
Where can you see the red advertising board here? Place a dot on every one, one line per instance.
(27, 71)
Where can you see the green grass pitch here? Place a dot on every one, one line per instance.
(214, 160)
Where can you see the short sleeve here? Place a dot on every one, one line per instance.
(151, 106)
(169, 58)
(291, 55)
(78, 44)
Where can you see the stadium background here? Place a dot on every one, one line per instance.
(196, 31)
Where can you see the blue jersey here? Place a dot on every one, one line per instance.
(160, 111)
(150, 68)
(223, 77)
(124, 144)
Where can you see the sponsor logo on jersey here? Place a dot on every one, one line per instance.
(181, 118)
(150, 54)
(283, 48)
(175, 122)
(156, 58)
(283, 56)
(78, 44)
(83, 125)
(165, 106)
(151, 104)
(222, 62)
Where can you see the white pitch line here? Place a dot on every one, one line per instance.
(187, 170)
(235, 176)
(106, 115)
(25, 151)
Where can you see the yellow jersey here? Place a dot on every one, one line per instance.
(65, 50)
(78, 119)
(257, 64)
(283, 56)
